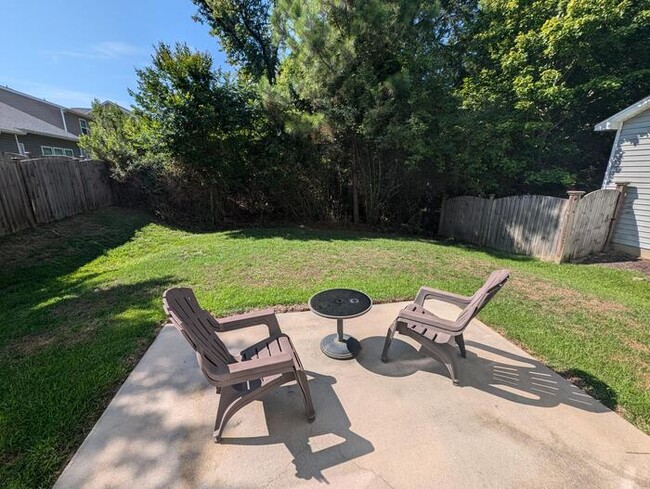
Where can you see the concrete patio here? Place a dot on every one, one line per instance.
(512, 422)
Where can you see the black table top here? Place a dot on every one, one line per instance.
(340, 303)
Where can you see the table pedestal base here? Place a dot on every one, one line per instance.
(340, 350)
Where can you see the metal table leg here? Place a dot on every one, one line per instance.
(340, 346)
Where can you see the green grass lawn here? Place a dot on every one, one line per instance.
(81, 301)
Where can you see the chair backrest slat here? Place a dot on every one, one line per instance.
(196, 325)
(492, 285)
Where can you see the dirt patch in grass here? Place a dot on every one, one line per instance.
(32, 344)
(620, 261)
(562, 299)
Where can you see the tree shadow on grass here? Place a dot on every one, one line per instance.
(36, 265)
(62, 378)
(62, 247)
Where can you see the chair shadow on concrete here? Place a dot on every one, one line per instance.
(504, 374)
(286, 424)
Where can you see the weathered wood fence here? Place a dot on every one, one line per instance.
(550, 228)
(41, 190)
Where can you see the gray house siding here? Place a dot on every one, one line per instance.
(630, 162)
(72, 121)
(39, 109)
(33, 143)
(8, 143)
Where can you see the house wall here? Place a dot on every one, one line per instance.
(39, 109)
(8, 143)
(630, 162)
(33, 143)
(72, 121)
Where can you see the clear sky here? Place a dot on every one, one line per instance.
(71, 51)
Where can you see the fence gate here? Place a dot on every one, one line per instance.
(589, 225)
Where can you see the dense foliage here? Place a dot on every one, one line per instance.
(370, 111)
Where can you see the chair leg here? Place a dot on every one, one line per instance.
(301, 378)
(227, 395)
(389, 339)
(460, 341)
(445, 354)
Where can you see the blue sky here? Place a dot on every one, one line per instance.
(71, 51)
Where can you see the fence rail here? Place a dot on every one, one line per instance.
(42, 190)
(550, 228)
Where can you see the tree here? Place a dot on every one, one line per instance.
(540, 74)
(243, 29)
(111, 138)
(367, 91)
(198, 121)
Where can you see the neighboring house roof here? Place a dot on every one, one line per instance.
(15, 121)
(87, 111)
(23, 94)
(81, 110)
(615, 122)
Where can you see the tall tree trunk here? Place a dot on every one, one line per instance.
(355, 183)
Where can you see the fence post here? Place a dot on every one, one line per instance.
(622, 189)
(442, 214)
(566, 234)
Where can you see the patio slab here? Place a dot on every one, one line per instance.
(512, 422)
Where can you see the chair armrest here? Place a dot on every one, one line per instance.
(426, 292)
(254, 369)
(430, 321)
(266, 317)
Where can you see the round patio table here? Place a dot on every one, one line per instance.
(340, 304)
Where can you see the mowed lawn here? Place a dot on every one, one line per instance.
(81, 301)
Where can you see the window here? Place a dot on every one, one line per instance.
(51, 151)
(83, 126)
(21, 149)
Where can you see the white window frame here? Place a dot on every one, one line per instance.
(21, 149)
(83, 128)
(56, 151)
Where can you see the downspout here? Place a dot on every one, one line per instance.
(65, 126)
(18, 145)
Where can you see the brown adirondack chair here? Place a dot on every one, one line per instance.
(240, 379)
(436, 334)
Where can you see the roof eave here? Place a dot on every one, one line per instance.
(608, 125)
(12, 131)
(615, 122)
(70, 137)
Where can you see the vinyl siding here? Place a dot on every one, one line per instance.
(8, 143)
(33, 143)
(36, 108)
(72, 121)
(630, 162)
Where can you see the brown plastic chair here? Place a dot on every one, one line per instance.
(435, 334)
(257, 370)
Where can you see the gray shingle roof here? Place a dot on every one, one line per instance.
(16, 121)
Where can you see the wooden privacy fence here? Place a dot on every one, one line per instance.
(41, 190)
(550, 228)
